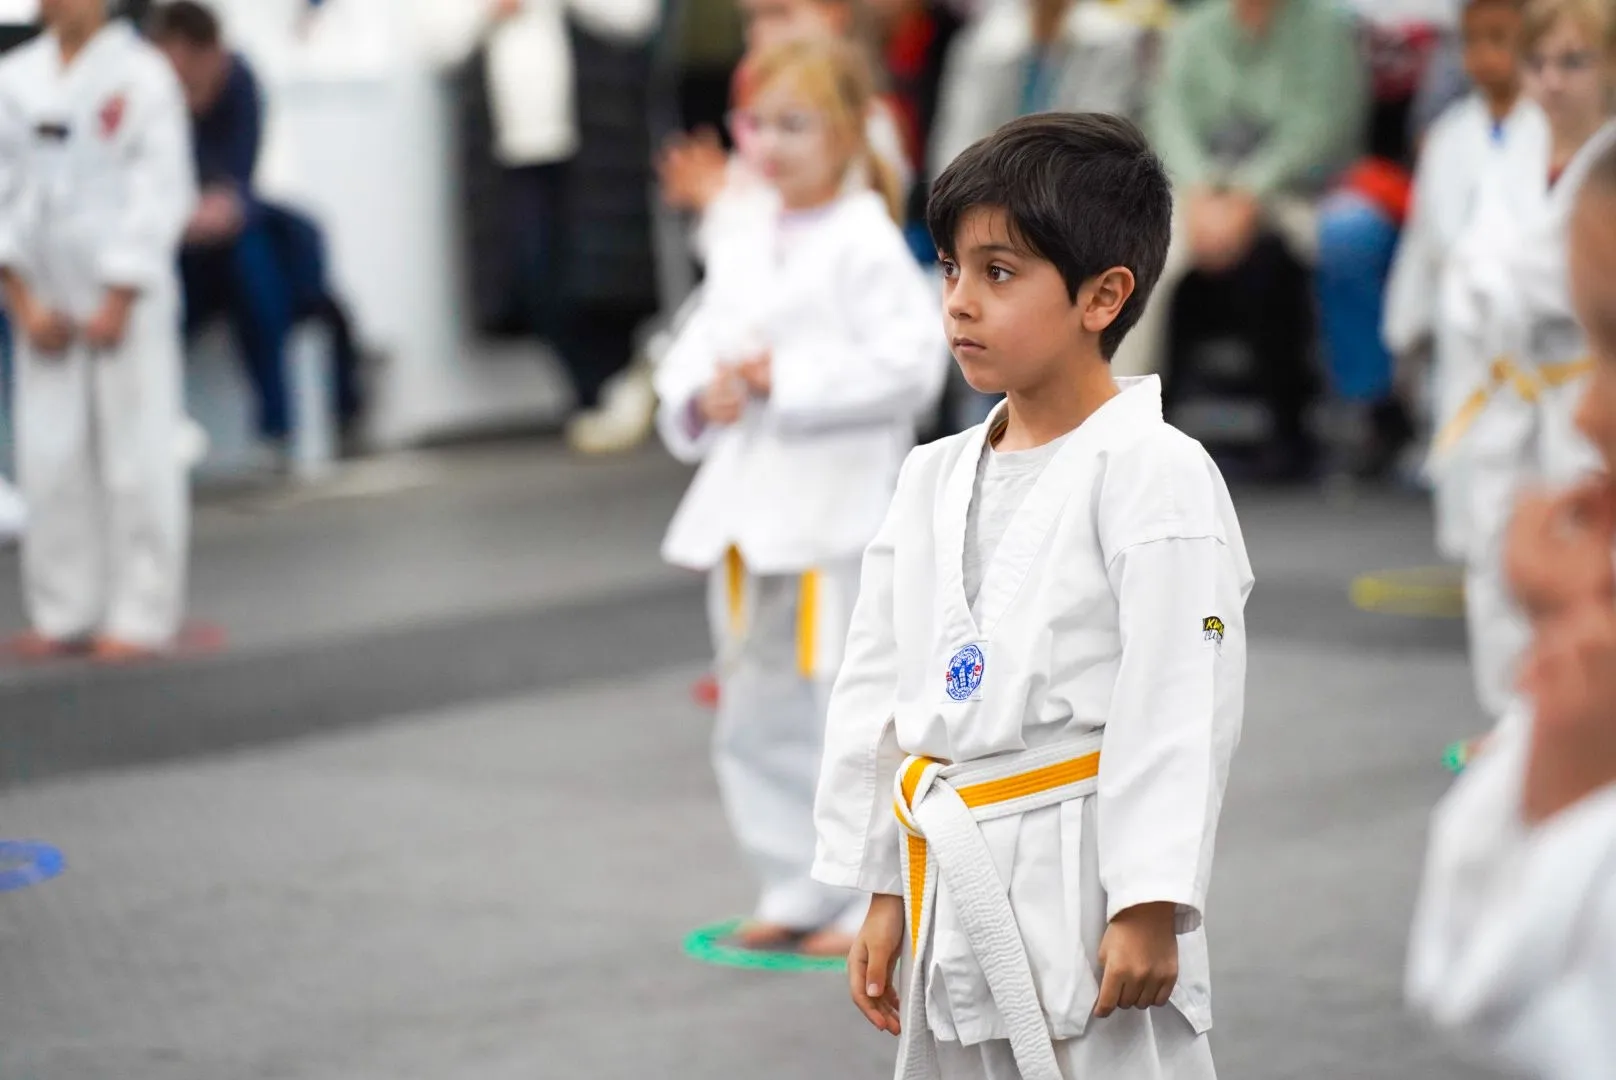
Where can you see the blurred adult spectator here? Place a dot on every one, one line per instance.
(556, 151)
(1030, 56)
(261, 267)
(1260, 107)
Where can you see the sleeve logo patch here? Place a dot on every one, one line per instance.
(1212, 629)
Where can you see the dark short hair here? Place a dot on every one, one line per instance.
(1083, 191)
(186, 21)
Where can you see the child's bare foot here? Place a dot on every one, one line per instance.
(762, 935)
(35, 646)
(109, 650)
(829, 944)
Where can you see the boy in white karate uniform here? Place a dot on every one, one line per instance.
(96, 187)
(1045, 676)
(1514, 940)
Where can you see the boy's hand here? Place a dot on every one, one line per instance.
(724, 399)
(1557, 553)
(1570, 675)
(106, 329)
(873, 960)
(1139, 958)
(758, 374)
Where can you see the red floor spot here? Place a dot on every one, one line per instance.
(706, 691)
(28, 649)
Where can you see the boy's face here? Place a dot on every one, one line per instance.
(1492, 32)
(1009, 319)
(1593, 292)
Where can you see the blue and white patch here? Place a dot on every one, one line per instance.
(965, 673)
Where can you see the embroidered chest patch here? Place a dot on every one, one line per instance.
(112, 114)
(1212, 629)
(965, 673)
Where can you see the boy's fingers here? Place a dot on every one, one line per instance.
(1128, 994)
(880, 966)
(1110, 988)
(1164, 994)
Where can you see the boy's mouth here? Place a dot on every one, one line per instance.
(965, 344)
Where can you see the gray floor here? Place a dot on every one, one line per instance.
(443, 808)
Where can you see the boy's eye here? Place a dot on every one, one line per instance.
(949, 267)
(1000, 274)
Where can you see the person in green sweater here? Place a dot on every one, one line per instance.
(1261, 104)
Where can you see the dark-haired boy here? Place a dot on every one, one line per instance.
(1050, 629)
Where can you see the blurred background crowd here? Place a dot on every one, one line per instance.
(441, 217)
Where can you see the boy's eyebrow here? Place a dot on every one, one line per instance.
(995, 249)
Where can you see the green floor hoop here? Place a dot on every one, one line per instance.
(711, 945)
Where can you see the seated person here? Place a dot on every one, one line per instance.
(259, 266)
(1260, 106)
(1033, 56)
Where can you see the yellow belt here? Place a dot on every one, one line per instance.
(807, 610)
(941, 808)
(1528, 383)
(1038, 781)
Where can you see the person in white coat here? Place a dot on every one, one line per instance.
(96, 188)
(1462, 145)
(1044, 682)
(797, 383)
(1514, 937)
(1519, 351)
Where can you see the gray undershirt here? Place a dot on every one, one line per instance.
(1003, 481)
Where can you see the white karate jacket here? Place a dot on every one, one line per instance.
(1115, 604)
(856, 335)
(1514, 939)
(96, 178)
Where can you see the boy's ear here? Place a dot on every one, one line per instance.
(1103, 297)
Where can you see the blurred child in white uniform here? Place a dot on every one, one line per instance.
(1464, 144)
(96, 188)
(797, 383)
(1514, 941)
(1519, 347)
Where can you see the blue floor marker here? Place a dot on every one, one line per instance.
(27, 862)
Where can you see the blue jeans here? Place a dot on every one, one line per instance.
(1356, 244)
(244, 281)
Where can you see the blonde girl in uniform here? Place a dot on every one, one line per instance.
(796, 383)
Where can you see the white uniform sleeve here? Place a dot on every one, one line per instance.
(1180, 577)
(858, 832)
(1409, 318)
(141, 249)
(624, 21)
(885, 359)
(1514, 938)
(13, 205)
(679, 379)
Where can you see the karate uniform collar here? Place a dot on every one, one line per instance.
(1137, 405)
(117, 31)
